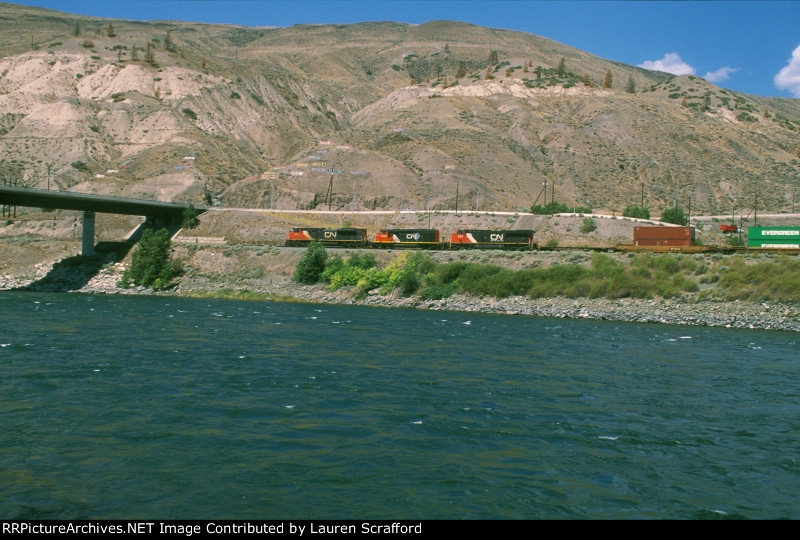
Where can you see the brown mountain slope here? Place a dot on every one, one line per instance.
(374, 116)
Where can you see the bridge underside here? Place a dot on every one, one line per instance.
(163, 212)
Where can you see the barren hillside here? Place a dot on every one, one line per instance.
(437, 116)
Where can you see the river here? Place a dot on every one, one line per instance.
(136, 407)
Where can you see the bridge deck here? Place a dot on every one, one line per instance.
(67, 200)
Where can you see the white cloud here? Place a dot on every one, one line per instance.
(788, 78)
(722, 74)
(671, 63)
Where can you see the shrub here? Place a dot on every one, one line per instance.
(773, 280)
(674, 215)
(549, 209)
(150, 263)
(189, 113)
(438, 292)
(640, 212)
(190, 220)
(311, 264)
(588, 225)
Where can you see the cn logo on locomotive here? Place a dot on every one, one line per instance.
(330, 234)
(496, 237)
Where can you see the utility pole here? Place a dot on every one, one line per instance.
(755, 212)
(642, 206)
(689, 212)
(48, 177)
(456, 196)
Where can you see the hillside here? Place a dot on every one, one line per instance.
(374, 116)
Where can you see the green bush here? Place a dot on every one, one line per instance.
(190, 220)
(674, 215)
(641, 276)
(632, 211)
(772, 280)
(311, 264)
(150, 263)
(549, 209)
(588, 225)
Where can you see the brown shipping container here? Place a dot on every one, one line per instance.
(663, 236)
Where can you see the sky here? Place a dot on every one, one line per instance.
(746, 46)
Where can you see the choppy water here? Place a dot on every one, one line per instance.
(138, 407)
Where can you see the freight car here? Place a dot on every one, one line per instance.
(663, 236)
(663, 239)
(492, 239)
(408, 238)
(344, 237)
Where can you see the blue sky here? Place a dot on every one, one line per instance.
(747, 46)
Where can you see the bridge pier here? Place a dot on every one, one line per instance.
(87, 247)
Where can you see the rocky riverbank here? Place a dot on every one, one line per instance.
(102, 276)
(736, 314)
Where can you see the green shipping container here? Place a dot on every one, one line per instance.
(773, 237)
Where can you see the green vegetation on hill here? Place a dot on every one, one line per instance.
(150, 263)
(641, 275)
(644, 276)
(774, 279)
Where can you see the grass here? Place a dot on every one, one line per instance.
(641, 276)
(605, 277)
(776, 279)
(243, 294)
(581, 275)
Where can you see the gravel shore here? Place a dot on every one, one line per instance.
(681, 311)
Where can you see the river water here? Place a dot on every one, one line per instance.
(130, 407)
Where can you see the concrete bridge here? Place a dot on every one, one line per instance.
(91, 204)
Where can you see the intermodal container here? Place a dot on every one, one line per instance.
(663, 236)
(773, 237)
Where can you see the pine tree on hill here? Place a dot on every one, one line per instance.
(607, 80)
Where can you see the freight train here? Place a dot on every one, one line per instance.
(520, 239)
(645, 239)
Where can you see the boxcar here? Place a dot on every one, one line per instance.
(492, 239)
(348, 236)
(407, 238)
